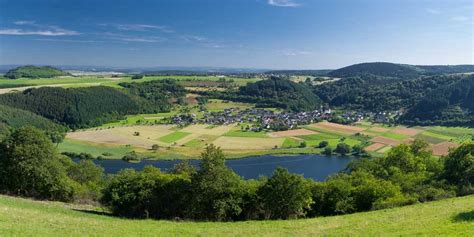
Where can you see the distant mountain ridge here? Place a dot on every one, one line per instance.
(401, 71)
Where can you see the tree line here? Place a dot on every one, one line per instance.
(30, 166)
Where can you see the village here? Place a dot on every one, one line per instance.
(258, 119)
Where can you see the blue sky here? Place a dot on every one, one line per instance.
(277, 34)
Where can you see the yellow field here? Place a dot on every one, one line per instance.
(248, 143)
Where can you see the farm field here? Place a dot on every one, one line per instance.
(454, 216)
(8, 85)
(189, 141)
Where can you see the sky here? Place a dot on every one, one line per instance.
(270, 34)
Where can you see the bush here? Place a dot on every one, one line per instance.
(342, 149)
(147, 194)
(327, 151)
(323, 144)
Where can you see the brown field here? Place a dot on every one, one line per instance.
(385, 140)
(408, 140)
(338, 127)
(406, 131)
(124, 135)
(379, 129)
(442, 149)
(203, 129)
(191, 99)
(374, 147)
(293, 133)
(247, 143)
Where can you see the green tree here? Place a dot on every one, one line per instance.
(323, 144)
(285, 195)
(459, 167)
(30, 166)
(216, 190)
(342, 149)
(327, 151)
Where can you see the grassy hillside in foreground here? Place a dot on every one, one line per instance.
(450, 217)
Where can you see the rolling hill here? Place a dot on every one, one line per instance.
(35, 72)
(449, 217)
(377, 69)
(400, 71)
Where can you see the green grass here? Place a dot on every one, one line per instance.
(93, 80)
(239, 133)
(215, 105)
(395, 136)
(450, 217)
(291, 143)
(175, 136)
(94, 149)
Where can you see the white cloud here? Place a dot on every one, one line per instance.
(31, 28)
(283, 3)
(71, 41)
(55, 32)
(139, 27)
(24, 22)
(193, 38)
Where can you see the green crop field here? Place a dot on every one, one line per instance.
(449, 217)
(175, 136)
(84, 81)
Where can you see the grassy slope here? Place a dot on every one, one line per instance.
(450, 217)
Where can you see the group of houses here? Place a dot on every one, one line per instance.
(255, 119)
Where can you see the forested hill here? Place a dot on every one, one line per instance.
(35, 72)
(377, 69)
(400, 71)
(284, 93)
(75, 107)
(448, 105)
(371, 93)
(13, 118)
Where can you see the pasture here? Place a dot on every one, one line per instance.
(9, 85)
(448, 217)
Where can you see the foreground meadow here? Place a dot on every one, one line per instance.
(450, 217)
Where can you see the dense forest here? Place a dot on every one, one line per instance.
(13, 118)
(377, 69)
(372, 93)
(35, 72)
(93, 106)
(449, 105)
(74, 107)
(158, 93)
(274, 92)
(398, 71)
